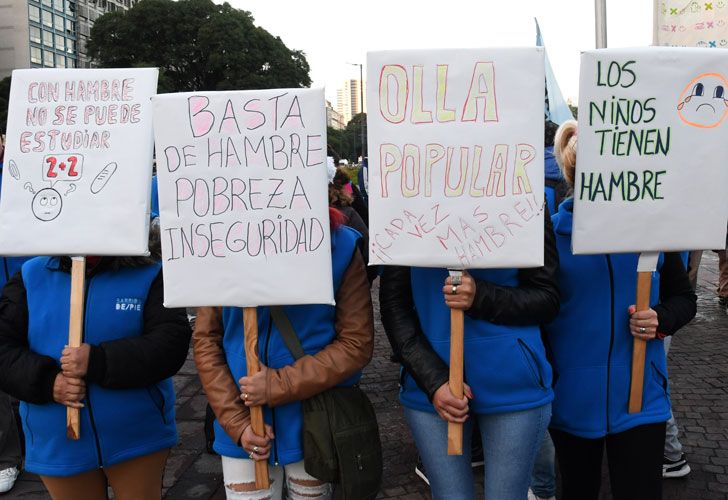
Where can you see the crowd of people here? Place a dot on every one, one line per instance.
(547, 365)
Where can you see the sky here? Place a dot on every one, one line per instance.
(333, 33)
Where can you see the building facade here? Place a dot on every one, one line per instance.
(334, 118)
(49, 33)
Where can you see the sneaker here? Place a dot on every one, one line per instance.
(7, 479)
(533, 496)
(675, 468)
(420, 470)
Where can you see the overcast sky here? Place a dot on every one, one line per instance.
(332, 32)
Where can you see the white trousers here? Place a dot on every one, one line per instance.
(239, 480)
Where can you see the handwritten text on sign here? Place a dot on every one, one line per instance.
(650, 149)
(243, 189)
(69, 149)
(456, 147)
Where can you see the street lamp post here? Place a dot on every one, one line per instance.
(361, 108)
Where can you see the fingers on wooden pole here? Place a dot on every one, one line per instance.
(455, 430)
(250, 320)
(75, 333)
(644, 283)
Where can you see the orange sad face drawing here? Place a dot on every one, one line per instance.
(703, 103)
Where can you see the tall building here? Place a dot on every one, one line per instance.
(348, 100)
(49, 33)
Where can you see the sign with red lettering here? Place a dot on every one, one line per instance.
(456, 160)
(79, 158)
(243, 198)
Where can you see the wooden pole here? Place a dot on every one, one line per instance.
(644, 283)
(250, 319)
(75, 333)
(457, 332)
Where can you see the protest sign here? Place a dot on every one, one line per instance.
(78, 162)
(456, 157)
(243, 196)
(682, 23)
(651, 153)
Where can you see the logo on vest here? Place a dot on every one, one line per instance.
(128, 304)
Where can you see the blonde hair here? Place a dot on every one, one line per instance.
(565, 149)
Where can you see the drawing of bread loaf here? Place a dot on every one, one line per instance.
(103, 177)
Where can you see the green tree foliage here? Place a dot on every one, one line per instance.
(4, 99)
(198, 45)
(346, 143)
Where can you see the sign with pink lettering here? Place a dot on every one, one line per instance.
(456, 159)
(78, 162)
(243, 198)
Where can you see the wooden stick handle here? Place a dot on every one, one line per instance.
(250, 319)
(75, 333)
(644, 283)
(457, 332)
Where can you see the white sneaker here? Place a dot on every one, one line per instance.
(7, 479)
(533, 496)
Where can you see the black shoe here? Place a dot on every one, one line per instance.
(723, 301)
(420, 470)
(477, 454)
(675, 468)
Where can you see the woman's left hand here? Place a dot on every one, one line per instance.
(74, 361)
(643, 324)
(253, 390)
(459, 296)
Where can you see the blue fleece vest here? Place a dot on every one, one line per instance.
(314, 325)
(591, 344)
(116, 425)
(505, 366)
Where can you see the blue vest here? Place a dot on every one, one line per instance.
(314, 325)
(504, 365)
(592, 346)
(116, 425)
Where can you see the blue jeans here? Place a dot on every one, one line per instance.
(543, 482)
(510, 444)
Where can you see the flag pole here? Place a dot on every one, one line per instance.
(600, 20)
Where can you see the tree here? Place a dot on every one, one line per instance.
(197, 45)
(4, 100)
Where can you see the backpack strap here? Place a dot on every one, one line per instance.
(280, 318)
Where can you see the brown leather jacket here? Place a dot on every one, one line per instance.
(350, 351)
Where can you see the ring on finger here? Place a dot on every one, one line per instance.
(245, 396)
(643, 329)
(255, 449)
(454, 290)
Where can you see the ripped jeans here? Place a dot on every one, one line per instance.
(239, 480)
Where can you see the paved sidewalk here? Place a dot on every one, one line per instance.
(698, 373)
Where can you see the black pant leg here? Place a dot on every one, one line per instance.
(10, 453)
(580, 464)
(635, 462)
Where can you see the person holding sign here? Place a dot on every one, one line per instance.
(591, 343)
(509, 379)
(120, 378)
(338, 342)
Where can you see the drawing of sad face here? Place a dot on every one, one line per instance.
(703, 103)
(47, 204)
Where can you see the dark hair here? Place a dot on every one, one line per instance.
(550, 129)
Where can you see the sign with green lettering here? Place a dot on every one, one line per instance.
(652, 154)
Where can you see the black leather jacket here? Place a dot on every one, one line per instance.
(534, 301)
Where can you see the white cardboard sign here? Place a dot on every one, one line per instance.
(651, 166)
(243, 197)
(78, 162)
(456, 157)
